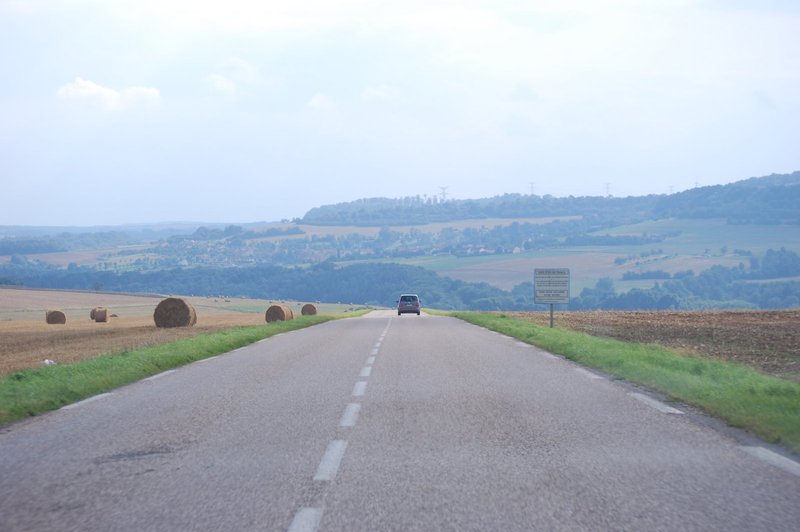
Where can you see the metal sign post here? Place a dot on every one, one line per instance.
(551, 287)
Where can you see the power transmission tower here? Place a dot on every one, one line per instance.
(533, 187)
(608, 190)
(444, 193)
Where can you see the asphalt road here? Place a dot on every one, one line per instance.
(386, 423)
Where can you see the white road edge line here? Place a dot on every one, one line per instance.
(773, 458)
(306, 520)
(329, 465)
(350, 415)
(373, 352)
(359, 388)
(365, 371)
(370, 361)
(89, 400)
(658, 405)
(588, 374)
(159, 375)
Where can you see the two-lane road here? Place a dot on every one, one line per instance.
(385, 423)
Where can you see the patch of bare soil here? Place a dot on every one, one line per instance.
(768, 341)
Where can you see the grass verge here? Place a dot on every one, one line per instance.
(31, 392)
(765, 405)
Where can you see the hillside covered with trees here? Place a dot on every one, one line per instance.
(771, 199)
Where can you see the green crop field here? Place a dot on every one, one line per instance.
(698, 235)
(698, 246)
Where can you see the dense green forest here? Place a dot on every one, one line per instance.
(771, 199)
(418, 210)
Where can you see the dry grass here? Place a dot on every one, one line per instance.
(26, 340)
(27, 344)
(768, 341)
(29, 304)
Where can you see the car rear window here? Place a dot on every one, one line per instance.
(408, 299)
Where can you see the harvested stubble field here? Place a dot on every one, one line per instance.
(26, 341)
(768, 341)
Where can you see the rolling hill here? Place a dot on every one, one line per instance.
(490, 246)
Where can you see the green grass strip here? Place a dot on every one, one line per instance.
(767, 406)
(33, 391)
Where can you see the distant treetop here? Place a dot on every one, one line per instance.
(772, 200)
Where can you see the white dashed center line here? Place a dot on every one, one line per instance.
(350, 415)
(359, 388)
(329, 465)
(306, 520)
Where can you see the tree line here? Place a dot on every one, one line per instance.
(766, 200)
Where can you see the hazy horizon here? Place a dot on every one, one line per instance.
(124, 112)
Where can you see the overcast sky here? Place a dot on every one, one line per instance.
(126, 111)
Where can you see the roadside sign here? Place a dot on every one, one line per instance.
(551, 286)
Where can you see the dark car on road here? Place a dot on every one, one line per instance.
(408, 304)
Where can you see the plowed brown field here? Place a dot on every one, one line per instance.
(768, 341)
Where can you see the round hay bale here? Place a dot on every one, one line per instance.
(174, 312)
(308, 310)
(278, 313)
(100, 314)
(91, 313)
(55, 317)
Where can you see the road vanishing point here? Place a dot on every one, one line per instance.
(387, 423)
